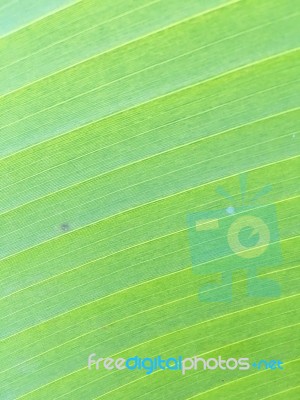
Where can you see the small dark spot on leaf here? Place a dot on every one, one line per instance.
(65, 227)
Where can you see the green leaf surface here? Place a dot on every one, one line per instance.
(118, 120)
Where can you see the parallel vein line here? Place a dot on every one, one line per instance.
(268, 117)
(71, 37)
(152, 202)
(55, 11)
(165, 28)
(139, 313)
(150, 67)
(173, 92)
(170, 333)
(153, 156)
(105, 297)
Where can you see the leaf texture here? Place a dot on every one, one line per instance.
(117, 120)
